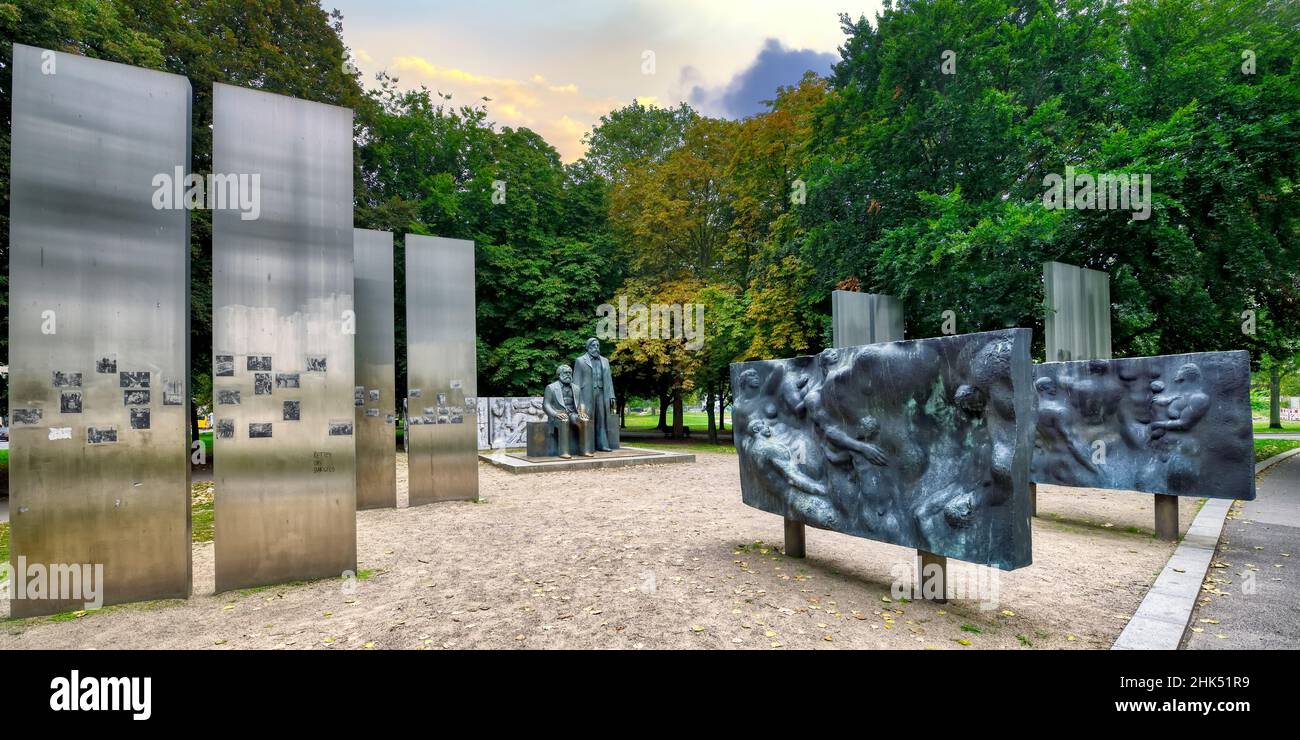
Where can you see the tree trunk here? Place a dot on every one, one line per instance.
(622, 410)
(722, 407)
(1274, 398)
(713, 428)
(677, 416)
(663, 412)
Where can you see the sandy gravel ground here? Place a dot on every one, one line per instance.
(648, 557)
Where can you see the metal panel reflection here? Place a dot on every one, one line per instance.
(441, 370)
(865, 318)
(375, 410)
(283, 353)
(99, 327)
(1077, 326)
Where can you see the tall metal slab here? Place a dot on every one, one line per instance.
(923, 443)
(99, 327)
(1077, 324)
(282, 343)
(376, 368)
(865, 318)
(442, 393)
(1178, 425)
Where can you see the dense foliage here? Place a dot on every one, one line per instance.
(916, 169)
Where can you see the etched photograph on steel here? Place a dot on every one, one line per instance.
(139, 418)
(101, 435)
(223, 366)
(227, 396)
(173, 392)
(1172, 424)
(134, 379)
(262, 384)
(70, 402)
(225, 428)
(921, 443)
(259, 363)
(61, 379)
(135, 398)
(27, 416)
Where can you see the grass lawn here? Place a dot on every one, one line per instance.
(1287, 426)
(201, 513)
(1266, 448)
(684, 446)
(4, 458)
(696, 420)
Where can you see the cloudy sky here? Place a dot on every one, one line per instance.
(556, 66)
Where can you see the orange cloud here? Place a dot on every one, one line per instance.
(561, 113)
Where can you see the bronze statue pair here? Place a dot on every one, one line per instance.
(572, 403)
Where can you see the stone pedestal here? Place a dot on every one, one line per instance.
(542, 441)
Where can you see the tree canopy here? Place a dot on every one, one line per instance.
(916, 168)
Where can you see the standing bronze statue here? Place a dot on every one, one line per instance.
(591, 372)
(563, 411)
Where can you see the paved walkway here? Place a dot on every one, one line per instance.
(1256, 572)
(1276, 435)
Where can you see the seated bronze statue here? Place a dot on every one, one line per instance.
(564, 411)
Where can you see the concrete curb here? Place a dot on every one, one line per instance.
(1162, 618)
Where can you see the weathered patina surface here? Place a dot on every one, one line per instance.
(1174, 424)
(923, 443)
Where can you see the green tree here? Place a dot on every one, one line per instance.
(635, 135)
(928, 185)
